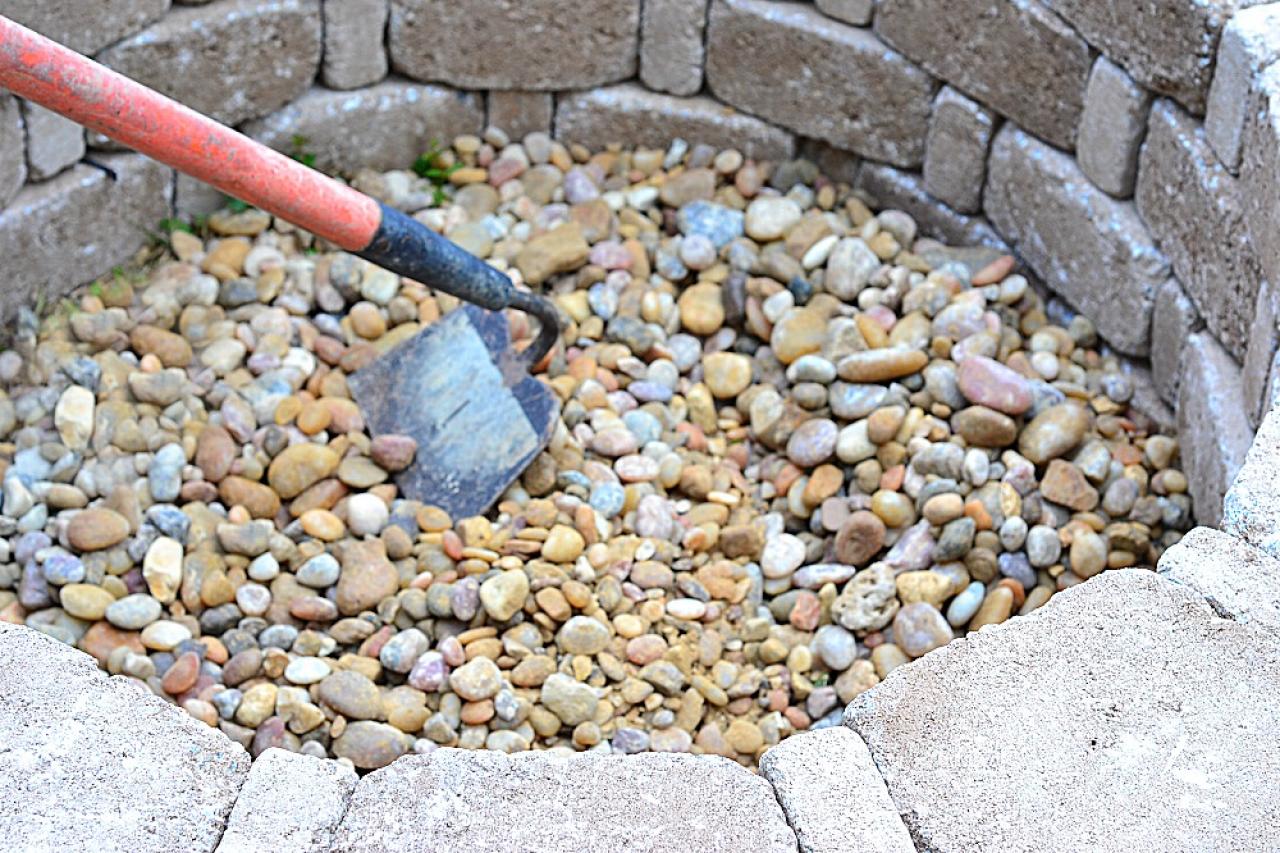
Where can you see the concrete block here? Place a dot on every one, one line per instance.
(1173, 320)
(290, 803)
(54, 143)
(354, 53)
(521, 113)
(380, 127)
(856, 12)
(833, 795)
(955, 151)
(1193, 208)
(1251, 509)
(557, 803)
(1010, 50)
(1260, 174)
(515, 44)
(789, 64)
(1263, 338)
(232, 60)
(630, 114)
(13, 149)
(893, 188)
(1087, 247)
(192, 198)
(1146, 723)
(54, 236)
(90, 26)
(1239, 581)
(1111, 128)
(94, 762)
(1213, 429)
(1250, 42)
(671, 45)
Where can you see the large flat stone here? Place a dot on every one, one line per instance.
(1167, 45)
(955, 151)
(1213, 428)
(54, 143)
(290, 803)
(1251, 509)
(790, 64)
(515, 44)
(1123, 715)
(232, 60)
(671, 45)
(94, 762)
(1173, 320)
(13, 149)
(91, 26)
(381, 127)
(833, 794)
(354, 53)
(1089, 248)
(1260, 174)
(54, 236)
(893, 188)
(1192, 206)
(631, 115)
(1017, 58)
(1239, 581)
(476, 800)
(1112, 127)
(1250, 42)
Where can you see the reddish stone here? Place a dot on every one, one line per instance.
(807, 612)
(989, 383)
(182, 675)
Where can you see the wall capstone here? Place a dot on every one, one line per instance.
(290, 803)
(1247, 592)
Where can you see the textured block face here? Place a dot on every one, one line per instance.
(1238, 580)
(1173, 320)
(1158, 707)
(671, 45)
(515, 44)
(856, 12)
(1010, 50)
(1250, 42)
(13, 149)
(1111, 129)
(354, 54)
(1092, 250)
(521, 113)
(1193, 208)
(1213, 429)
(632, 115)
(84, 27)
(233, 60)
(290, 803)
(53, 142)
(791, 65)
(1258, 357)
(1260, 174)
(1251, 510)
(955, 152)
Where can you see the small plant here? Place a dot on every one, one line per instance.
(428, 166)
(171, 223)
(300, 153)
(95, 289)
(235, 205)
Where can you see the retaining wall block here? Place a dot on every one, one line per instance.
(521, 113)
(893, 188)
(290, 803)
(1213, 431)
(1239, 581)
(1260, 174)
(1193, 208)
(13, 149)
(88, 27)
(515, 44)
(856, 12)
(1111, 128)
(1089, 248)
(791, 65)
(1162, 718)
(354, 53)
(1258, 357)
(232, 60)
(1250, 42)
(955, 150)
(1017, 58)
(1173, 320)
(671, 45)
(54, 143)
(1251, 509)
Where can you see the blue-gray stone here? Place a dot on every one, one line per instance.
(717, 223)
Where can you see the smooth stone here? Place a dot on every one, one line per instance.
(920, 628)
(989, 383)
(880, 365)
(1053, 432)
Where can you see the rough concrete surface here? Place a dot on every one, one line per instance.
(1213, 429)
(1124, 715)
(13, 158)
(290, 803)
(1264, 334)
(1250, 42)
(354, 54)
(88, 27)
(833, 795)
(1260, 174)
(792, 65)
(54, 143)
(93, 762)
(1251, 509)
(671, 45)
(955, 150)
(456, 799)
(1089, 248)
(1111, 128)
(1239, 581)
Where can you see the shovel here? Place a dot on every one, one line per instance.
(457, 387)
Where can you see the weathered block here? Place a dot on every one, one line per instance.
(88, 27)
(1111, 128)
(192, 198)
(93, 762)
(1250, 42)
(54, 236)
(1213, 429)
(1173, 320)
(1251, 509)
(833, 795)
(53, 143)
(1157, 708)
(13, 154)
(632, 115)
(1260, 174)
(382, 127)
(671, 38)
(955, 151)
(1092, 250)
(232, 60)
(856, 12)
(789, 64)
(1167, 45)
(480, 800)
(893, 188)
(1239, 581)
(1011, 50)
(1263, 338)
(521, 113)
(515, 44)
(354, 54)
(1192, 206)
(290, 803)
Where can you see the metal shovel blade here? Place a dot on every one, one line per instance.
(458, 389)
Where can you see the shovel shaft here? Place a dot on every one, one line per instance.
(103, 100)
